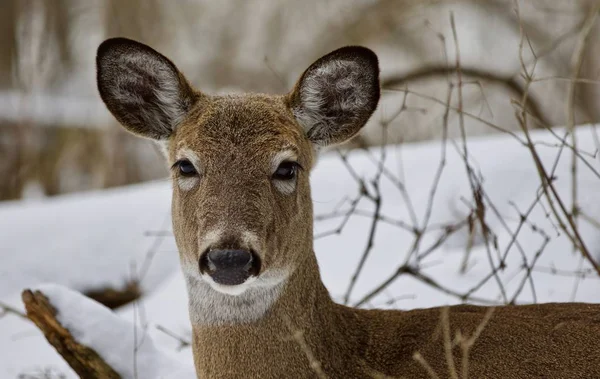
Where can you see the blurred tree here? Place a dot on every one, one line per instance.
(47, 50)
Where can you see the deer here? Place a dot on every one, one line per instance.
(243, 224)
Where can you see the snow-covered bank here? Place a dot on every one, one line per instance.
(88, 240)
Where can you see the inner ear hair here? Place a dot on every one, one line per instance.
(336, 95)
(142, 88)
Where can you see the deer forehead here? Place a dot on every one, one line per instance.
(248, 128)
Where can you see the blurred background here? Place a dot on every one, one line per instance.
(56, 136)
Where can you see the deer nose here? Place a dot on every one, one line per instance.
(229, 267)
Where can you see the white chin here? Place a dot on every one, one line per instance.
(235, 290)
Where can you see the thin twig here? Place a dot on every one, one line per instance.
(576, 64)
(7, 309)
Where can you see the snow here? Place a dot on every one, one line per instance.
(91, 239)
(88, 241)
(123, 344)
(510, 178)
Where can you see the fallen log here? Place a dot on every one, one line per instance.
(82, 359)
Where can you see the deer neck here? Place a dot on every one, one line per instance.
(295, 324)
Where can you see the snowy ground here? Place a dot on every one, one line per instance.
(97, 239)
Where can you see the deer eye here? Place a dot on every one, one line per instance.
(186, 168)
(286, 171)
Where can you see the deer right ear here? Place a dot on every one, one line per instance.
(336, 95)
(143, 89)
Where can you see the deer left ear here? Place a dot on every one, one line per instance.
(142, 88)
(336, 95)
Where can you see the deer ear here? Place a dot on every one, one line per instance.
(142, 88)
(336, 95)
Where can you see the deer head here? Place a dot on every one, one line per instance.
(242, 211)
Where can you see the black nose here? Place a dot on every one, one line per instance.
(229, 267)
(229, 259)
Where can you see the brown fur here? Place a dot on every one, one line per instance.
(235, 139)
(532, 341)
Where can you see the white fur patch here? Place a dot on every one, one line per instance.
(187, 183)
(284, 155)
(251, 241)
(189, 154)
(214, 304)
(229, 290)
(209, 239)
(284, 186)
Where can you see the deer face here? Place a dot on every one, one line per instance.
(241, 199)
(242, 212)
